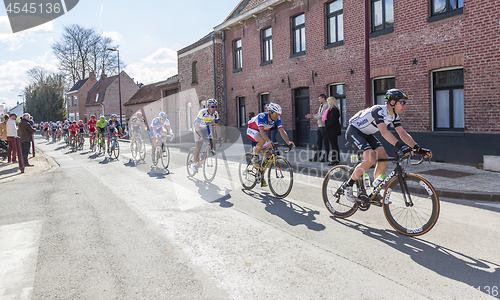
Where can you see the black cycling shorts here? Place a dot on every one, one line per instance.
(360, 140)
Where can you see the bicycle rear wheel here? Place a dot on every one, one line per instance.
(333, 192)
(280, 177)
(247, 172)
(415, 219)
(165, 156)
(116, 149)
(210, 166)
(92, 145)
(190, 162)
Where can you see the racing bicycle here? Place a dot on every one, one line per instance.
(138, 147)
(279, 175)
(114, 146)
(410, 203)
(207, 158)
(162, 152)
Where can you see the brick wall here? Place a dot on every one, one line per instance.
(111, 98)
(469, 40)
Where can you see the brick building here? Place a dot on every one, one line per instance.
(200, 78)
(444, 54)
(76, 98)
(103, 97)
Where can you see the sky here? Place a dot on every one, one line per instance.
(148, 34)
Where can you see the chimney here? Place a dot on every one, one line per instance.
(103, 75)
(92, 75)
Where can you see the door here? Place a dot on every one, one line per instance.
(302, 124)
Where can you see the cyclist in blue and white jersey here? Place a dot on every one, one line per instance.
(371, 120)
(158, 126)
(258, 126)
(206, 117)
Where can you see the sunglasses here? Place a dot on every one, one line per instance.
(402, 102)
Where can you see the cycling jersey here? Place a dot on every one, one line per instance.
(73, 129)
(136, 123)
(205, 118)
(367, 120)
(156, 126)
(262, 120)
(101, 124)
(82, 128)
(113, 125)
(91, 125)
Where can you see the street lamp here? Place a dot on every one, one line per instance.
(24, 104)
(119, 82)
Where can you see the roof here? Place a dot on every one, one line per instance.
(247, 9)
(243, 7)
(170, 80)
(146, 93)
(99, 89)
(78, 85)
(203, 40)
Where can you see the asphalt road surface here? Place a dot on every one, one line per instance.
(97, 228)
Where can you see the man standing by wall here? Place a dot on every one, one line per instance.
(11, 135)
(26, 135)
(320, 155)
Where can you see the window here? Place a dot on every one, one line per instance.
(380, 87)
(263, 101)
(242, 119)
(194, 73)
(334, 24)
(441, 9)
(96, 97)
(382, 17)
(237, 55)
(69, 100)
(75, 100)
(448, 90)
(298, 35)
(189, 117)
(267, 46)
(338, 91)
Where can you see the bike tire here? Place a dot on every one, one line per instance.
(210, 166)
(165, 156)
(116, 149)
(81, 143)
(411, 220)
(142, 150)
(280, 177)
(190, 161)
(333, 193)
(247, 172)
(133, 149)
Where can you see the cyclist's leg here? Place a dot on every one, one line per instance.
(357, 138)
(152, 135)
(198, 141)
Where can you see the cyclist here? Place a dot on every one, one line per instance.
(46, 127)
(113, 125)
(73, 131)
(101, 130)
(65, 127)
(136, 125)
(205, 118)
(92, 130)
(157, 127)
(81, 126)
(365, 123)
(257, 128)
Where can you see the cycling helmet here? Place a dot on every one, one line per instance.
(162, 115)
(139, 115)
(212, 102)
(114, 116)
(395, 94)
(103, 118)
(74, 121)
(80, 121)
(274, 108)
(92, 115)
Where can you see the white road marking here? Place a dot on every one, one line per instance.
(18, 256)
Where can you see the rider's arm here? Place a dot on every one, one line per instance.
(386, 134)
(284, 135)
(217, 128)
(405, 136)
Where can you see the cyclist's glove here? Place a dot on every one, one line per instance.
(403, 147)
(421, 151)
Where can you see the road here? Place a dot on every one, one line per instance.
(97, 228)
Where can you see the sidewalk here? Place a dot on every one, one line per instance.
(449, 180)
(41, 163)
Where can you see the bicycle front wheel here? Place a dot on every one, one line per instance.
(280, 177)
(333, 192)
(165, 156)
(116, 149)
(210, 166)
(156, 156)
(411, 218)
(133, 149)
(247, 172)
(190, 162)
(142, 149)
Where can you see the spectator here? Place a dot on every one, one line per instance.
(11, 135)
(3, 127)
(26, 135)
(333, 130)
(320, 133)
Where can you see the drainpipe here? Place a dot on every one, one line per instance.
(368, 101)
(224, 75)
(215, 73)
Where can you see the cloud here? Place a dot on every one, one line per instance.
(115, 36)
(156, 67)
(17, 40)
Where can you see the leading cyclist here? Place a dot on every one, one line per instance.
(205, 118)
(365, 123)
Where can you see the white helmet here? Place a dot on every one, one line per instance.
(274, 108)
(212, 102)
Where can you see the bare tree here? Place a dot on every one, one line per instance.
(82, 50)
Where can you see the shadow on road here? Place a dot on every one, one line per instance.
(157, 172)
(292, 213)
(210, 192)
(478, 273)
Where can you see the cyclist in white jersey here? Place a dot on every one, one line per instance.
(206, 117)
(365, 123)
